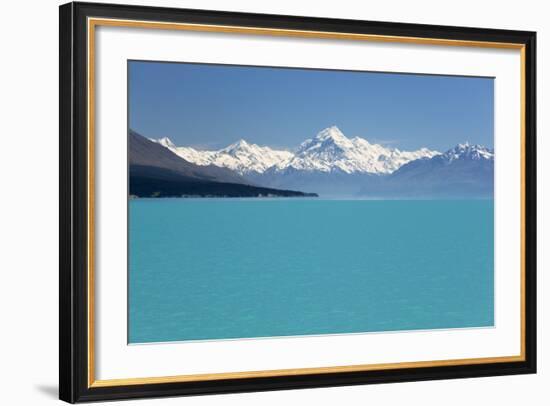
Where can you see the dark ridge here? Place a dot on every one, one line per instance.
(147, 181)
(145, 152)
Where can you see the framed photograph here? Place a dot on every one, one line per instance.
(257, 202)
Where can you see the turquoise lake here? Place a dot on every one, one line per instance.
(204, 269)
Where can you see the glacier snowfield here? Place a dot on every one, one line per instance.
(330, 150)
(207, 269)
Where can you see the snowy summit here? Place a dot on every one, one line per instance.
(331, 151)
(467, 151)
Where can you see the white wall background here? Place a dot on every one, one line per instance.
(29, 188)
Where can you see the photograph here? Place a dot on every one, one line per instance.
(272, 202)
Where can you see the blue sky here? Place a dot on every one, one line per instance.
(211, 106)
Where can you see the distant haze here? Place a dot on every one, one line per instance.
(212, 106)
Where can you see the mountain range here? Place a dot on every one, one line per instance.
(332, 164)
(155, 171)
(329, 151)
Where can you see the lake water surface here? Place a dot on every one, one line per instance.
(234, 268)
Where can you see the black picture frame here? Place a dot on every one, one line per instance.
(74, 199)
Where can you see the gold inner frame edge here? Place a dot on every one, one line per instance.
(94, 22)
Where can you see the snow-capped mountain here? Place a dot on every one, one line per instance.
(165, 142)
(468, 152)
(463, 171)
(242, 157)
(329, 151)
